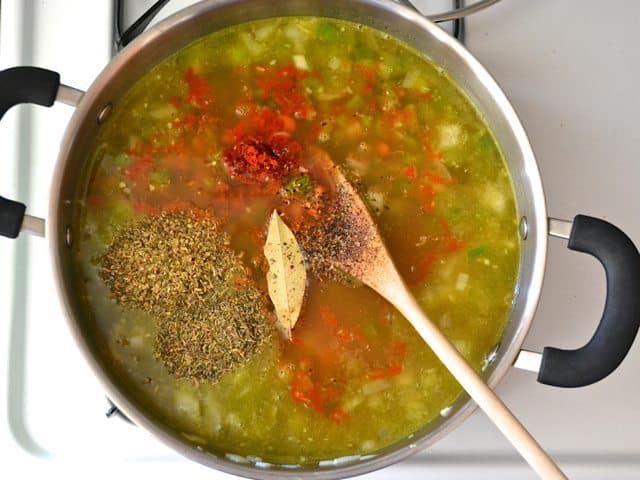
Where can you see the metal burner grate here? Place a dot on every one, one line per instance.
(126, 34)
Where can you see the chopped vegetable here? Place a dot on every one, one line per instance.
(301, 185)
(410, 79)
(160, 179)
(300, 61)
(462, 281)
(449, 135)
(122, 160)
(327, 32)
(477, 252)
(334, 63)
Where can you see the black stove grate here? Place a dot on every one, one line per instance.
(125, 35)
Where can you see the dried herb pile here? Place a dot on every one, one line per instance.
(179, 267)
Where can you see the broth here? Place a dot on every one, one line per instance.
(201, 130)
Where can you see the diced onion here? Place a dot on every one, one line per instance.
(236, 458)
(494, 198)
(339, 461)
(357, 165)
(462, 281)
(265, 31)
(410, 78)
(375, 386)
(300, 61)
(187, 403)
(449, 135)
(334, 63)
(293, 33)
(376, 200)
(385, 70)
(368, 445)
(252, 45)
(163, 112)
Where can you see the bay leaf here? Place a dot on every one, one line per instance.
(287, 275)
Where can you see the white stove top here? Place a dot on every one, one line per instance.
(571, 70)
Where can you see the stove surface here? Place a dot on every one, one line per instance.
(571, 70)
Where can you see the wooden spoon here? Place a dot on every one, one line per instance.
(365, 257)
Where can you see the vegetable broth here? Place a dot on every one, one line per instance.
(191, 134)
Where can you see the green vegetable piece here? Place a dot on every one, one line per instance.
(215, 158)
(313, 83)
(239, 55)
(122, 160)
(486, 143)
(119, 212)
(477, 252)
(455, 213)
(160, 179)
(355, 102)
(299, 185)
(328, 32)
(363, 53)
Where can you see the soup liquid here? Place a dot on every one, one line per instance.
(356, 377)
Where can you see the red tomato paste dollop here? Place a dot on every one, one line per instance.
(259, 158)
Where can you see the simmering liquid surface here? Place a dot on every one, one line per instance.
(195, 133)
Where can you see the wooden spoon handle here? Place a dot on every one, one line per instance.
(495, 409)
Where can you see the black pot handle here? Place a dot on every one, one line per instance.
(621, 317)
(23, 85)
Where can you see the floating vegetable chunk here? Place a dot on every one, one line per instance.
(174, 218)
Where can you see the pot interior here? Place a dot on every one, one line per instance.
(209, 16)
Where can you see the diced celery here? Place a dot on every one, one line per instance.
(486, 143)
(160, 179)
(355, 102)
(477, 252)
(328, 32)
(122, 160)
(363, 53)
(215, 158)
(313, 83)
(120, 212)
(239, 55)
(301, 185)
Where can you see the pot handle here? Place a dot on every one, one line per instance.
(621, 317)
(23, 85)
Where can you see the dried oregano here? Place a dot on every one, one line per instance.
(179, 267)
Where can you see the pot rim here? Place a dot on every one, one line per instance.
(56, 235)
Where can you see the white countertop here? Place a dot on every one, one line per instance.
(571, 70)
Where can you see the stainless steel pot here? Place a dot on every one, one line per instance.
(619, 256)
